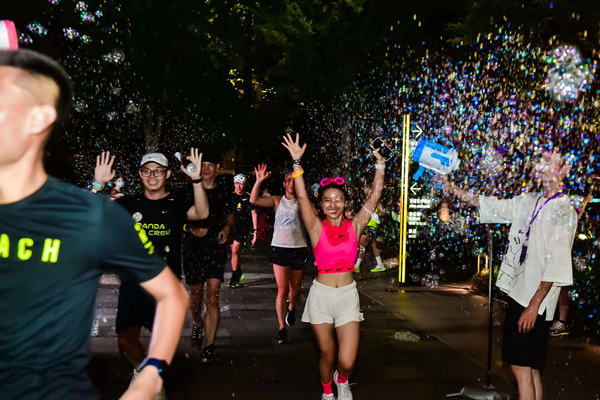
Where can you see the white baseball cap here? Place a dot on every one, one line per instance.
(158, 158)
(239, 178)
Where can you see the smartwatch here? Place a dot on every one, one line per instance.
(161, 365)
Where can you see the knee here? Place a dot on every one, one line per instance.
(346, 363)
(213, 299)
(523, 374)
(327, 357)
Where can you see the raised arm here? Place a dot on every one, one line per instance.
(261, 175)
(104, 172)
(364, 215)
(200, 208)
(451, 189)
(312, 223)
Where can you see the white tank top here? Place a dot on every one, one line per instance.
(288, 231)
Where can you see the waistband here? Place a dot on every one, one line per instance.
(334, 290)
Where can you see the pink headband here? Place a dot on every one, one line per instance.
(337, 180)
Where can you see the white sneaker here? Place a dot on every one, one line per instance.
(328, 397)
(344, 392)
(379, 268)
(134, 377)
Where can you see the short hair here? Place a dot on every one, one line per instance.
(38, 64)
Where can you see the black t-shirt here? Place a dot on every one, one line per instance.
(163, 221)
(54, 247)
(219, 205)
(243, 210)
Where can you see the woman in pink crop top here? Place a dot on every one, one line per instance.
(333, 303)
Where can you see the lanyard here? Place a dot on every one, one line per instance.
(534, 215)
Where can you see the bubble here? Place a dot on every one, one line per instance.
(430, 281)
(112, 116)
(71, 33)
(88, 17)
(37, 28)
(81, 6)
(116, 56)
(24, 38)
(579, 263)
(132, 107)
(225, 308)
(407, 336)
(54, 2)
(80, 106)
(95, 328)
(567, 75)
(86, 39)
(415, 278)
(99, 14)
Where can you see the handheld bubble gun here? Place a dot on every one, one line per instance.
(437, 157)
(8, 36)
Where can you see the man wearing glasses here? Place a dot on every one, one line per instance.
(162, 215)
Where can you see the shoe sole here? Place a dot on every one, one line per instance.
(287, 321)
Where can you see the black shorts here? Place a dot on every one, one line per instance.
(136, 307)
(241, 234)
(287, 257)
(370, 231)
(203, 258)
(524, 349)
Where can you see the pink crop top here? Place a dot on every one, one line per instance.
(336, 250)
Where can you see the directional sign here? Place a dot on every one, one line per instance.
(417, 130)
(414, 189)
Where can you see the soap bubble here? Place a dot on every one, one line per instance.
(37, 28)
(81, 6)
(407, 336)
(132, 107)
(430, 281)
(415, 278)
(112, 115)
(24, 38)
(579, 263)
(54, 2)
(116, 56)
(88, 17)
(70, 33)
(567, 75)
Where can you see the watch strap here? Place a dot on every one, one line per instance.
(161, 365)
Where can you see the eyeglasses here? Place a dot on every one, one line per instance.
(337, 180)
(156, 172)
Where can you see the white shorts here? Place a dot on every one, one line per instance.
(330, 305)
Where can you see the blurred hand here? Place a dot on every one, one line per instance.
(223, 235)
(527, 320)
(261, 172)
(199, 232)
(196, 159)
(379, 157)
(103, 173)
(254, 238)
(294, 146)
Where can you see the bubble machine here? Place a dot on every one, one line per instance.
(435, 156)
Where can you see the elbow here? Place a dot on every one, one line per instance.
(204, 214)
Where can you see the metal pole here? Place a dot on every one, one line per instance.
(490, 306)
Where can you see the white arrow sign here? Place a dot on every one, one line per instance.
(413, 189)
(417, 130)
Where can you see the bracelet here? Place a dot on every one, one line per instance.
(297, 174)
(369, 211)
(297, 162)
(199, 180)
(97, 185)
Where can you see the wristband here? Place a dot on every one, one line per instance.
(97, 185)
(297, 162)
(297, 174)
(199, 180)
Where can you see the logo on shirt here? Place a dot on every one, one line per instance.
(137, 217)
(164, 212)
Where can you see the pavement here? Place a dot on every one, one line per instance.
(449, 322)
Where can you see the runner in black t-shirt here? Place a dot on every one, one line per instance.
(55, 243)
(162, 215)
(246, 221)
(204, 257)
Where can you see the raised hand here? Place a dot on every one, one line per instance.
(261, 172)
(294, 146)
(196, 159)
(379, 157)
(103, 173)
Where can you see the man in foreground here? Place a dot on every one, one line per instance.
(536, 265)
(55, 243)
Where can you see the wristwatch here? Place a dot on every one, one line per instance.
(161, 365)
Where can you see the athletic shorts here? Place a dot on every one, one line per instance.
(295, 258)
(136, 307)
(241, 234)
(203, 258)
(330, 305)
(370, 231)
(524, 349)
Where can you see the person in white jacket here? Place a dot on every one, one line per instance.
(537, 263)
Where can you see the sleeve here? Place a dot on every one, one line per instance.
(124, 247)
(558, 268)
(495, 211)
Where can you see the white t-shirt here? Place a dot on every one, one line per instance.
(549, 249)
(288, 230)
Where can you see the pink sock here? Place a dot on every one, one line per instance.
(342, 379)
(327, 388)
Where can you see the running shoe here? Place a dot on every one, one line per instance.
(379, 268)
(328, 397)
(283, 336)
(559, 329)
(344, 392)
(134, 377)
(236, 279)
(208, 355)
(290, 318)
(197, 337)
(357, 269)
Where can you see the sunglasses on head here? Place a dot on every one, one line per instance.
(337, 180)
